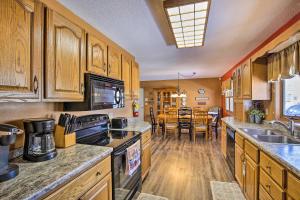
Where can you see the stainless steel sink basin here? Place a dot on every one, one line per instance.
(268, 135)
(276, 139)
(253, 131)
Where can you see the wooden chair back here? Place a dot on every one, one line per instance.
(200, 117)
(153, 121)
(171, 115)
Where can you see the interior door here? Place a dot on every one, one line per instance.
(114, 63)
(20, 50)
(97, 55)
(126, 75)
(65, 59)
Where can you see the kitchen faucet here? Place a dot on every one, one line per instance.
(289, 126)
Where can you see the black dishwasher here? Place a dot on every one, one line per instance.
(230, 151)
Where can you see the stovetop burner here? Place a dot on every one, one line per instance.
(109, 138)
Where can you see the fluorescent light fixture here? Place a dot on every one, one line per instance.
(188, 21)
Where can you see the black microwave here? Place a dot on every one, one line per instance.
(100, 93)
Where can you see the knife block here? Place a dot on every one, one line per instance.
(62, 140)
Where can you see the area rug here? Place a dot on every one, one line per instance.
(226, 191)
(144, 196)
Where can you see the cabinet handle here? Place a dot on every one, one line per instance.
(109, 68)
(268, 168)
(268, 186)
(82, 88)
(35, 85)
(98, 173)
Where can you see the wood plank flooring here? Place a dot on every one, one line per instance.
(182, 170)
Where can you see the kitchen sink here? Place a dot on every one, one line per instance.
(253, 131)
(268, 135)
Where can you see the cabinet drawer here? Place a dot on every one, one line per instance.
(251, 151)
(293, 186)
(270, 186)
(146, 136)
(263, 195)
(239, 140)
(273, 169)
(75, 188)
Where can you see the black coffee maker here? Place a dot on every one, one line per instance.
(39, 140)
(8, 134)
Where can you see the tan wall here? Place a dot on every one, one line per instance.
(14, 113)
(212, 88)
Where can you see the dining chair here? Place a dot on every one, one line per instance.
(200, 122)
(185, 120)
(170, 121)
(216, 113)
(154, 123)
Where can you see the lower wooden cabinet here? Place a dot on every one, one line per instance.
(146, 153)
(270, 186)
(223, 139)
(263, 195)
(251, 178)
(239, 165)
(293, 187)
(101, 191)
(95, 183)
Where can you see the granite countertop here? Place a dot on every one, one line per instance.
(36, 179)
(287, 154)
(139, 126)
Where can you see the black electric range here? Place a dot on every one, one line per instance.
(94, 131)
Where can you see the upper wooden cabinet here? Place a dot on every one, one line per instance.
(237, 83)
(20, 50)
(65, 59)
(114, 63)
(126, 75)
(135, 74)
(246, 79)
(96, 55)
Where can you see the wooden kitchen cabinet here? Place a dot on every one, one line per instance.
(65, 59)
(237, 83)
(223, 139)
(96, 55)
(135, 76)
(251, 179)
(239, 162)
(246, 79)
(20, 50)
(146, 153)
(101, 191)
(114, 62)
(293, 186)
(94, 183)
(126, 75)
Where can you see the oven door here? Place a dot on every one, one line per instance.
(125, 186)
(106, 95)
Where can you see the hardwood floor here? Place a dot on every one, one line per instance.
(182, 170)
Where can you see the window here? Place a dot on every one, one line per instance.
(291, 97)
(229, 98)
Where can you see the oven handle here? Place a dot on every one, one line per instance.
(120, 153)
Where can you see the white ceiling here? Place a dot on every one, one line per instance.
(235, 27)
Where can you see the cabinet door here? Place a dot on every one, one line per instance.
(101, 191)
(65, 59)
(146, 158)
(246, 80)
(114, 63)
(251, 179)
(126, 75)
(135, 80)
(97, 55)
(239, 159)
(20, 50)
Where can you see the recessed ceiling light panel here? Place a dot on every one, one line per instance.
(188, 21)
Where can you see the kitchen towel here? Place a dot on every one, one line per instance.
(133, 157)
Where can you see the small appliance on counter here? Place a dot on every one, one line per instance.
(39, 140)
(8, 134)
(119, 122)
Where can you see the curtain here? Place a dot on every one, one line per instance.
(290, 61)
(274, 67)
